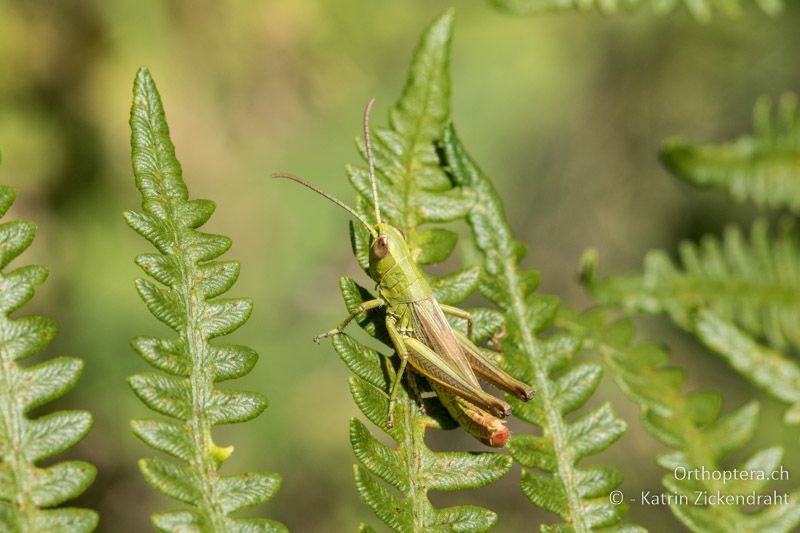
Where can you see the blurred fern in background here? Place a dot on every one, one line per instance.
(690, 424)
(702, 10)
(740, 297)
(27, 491)
(761, 167)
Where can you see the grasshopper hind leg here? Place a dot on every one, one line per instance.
(492, 373)
(432, 366)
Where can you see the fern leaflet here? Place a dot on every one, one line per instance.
(27, 490)
(413, 190)
(731, 294)
(551, 478)
(689, 424)
(702, 10)
(189, 280)
(762, 167)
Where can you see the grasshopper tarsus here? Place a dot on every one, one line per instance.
(527, 394)
(325, 335)
(412, 382)
(494, 342)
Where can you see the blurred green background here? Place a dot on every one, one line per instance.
(566, 112)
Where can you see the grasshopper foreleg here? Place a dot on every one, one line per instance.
(459, 313)
(362, 307)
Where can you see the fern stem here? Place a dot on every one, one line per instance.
(556, 426)
(690, 289)
(13, 419)
(551, 476)
(686, 423)
(200, 379)
(489, 207)
(697, 451)
(202, 384)
(414, 442)
(701, 10)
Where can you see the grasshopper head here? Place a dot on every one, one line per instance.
(386, 249)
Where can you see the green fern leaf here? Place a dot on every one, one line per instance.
(690, 424)
(551, 478)
(734, 295)
(761, 167)
(27, 491)
(411, 468)
(702, 10)
(188, 279)
(413, 190)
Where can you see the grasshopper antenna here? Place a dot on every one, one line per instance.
(333, 199)
(370, 159)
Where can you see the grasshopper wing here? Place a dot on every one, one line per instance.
(492, 373)
(433, 330)
(435, 340)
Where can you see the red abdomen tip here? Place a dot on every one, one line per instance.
(499, 438)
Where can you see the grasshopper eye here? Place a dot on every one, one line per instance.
(381, 246)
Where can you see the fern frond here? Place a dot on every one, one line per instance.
(689, 424)
(183, 295)
(762, 167)
(732, 294)
(27, 491)
(702, 10)
(413, 190)
(551, 476)
(411, 468)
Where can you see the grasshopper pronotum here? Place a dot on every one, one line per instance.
(421, 334)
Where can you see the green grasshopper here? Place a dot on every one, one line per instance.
(419, 331)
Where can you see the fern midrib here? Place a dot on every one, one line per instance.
(201, 385)
(410, 221)
(782, 155)
(200, 382)
(414, 445)
(761, 155)
(556, 427)
(692, 287)
(698, 451)
(23, 503)
(411, 161)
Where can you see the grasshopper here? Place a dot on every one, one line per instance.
(419, 331)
